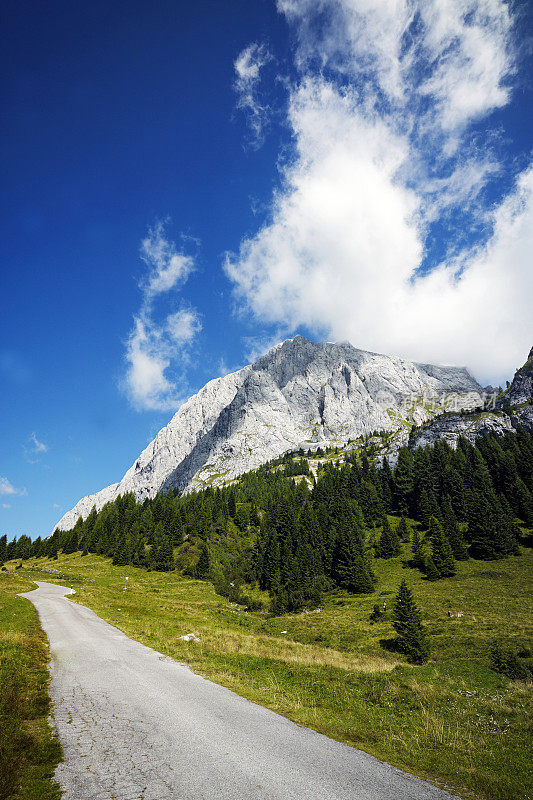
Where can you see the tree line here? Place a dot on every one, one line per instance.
(297, 534)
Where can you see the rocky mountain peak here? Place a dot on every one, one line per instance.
(521, 389)
(299, 394)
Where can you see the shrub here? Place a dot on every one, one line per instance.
(510, 662)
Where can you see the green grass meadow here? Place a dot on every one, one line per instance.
(29, 750)
(453, 720)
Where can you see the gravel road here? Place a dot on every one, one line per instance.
(136, 725)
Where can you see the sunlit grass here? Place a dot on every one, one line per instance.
(28, 750)
(453, 720)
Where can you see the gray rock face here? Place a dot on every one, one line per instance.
(514, 409)
(521, 389)
(300, 394)
(452, 426)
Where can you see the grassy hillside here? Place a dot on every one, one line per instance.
(453, 720)
(29, 751)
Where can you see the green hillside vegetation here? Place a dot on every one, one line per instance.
(298, 532)
(29, 751)
(454, 719)
(321, 585)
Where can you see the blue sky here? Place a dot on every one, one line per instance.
(185, 184)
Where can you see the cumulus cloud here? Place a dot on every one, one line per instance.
(248, 66)
(7, 488)
(383, 161)
(167, 269)
(157, 348)
(183, 326)
(456, 54)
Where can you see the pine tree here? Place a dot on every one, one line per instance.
(254, 516)
(453, 532)
(407, 622)
(351, 570)
(423, 510)
(203, 565)
(441, 551)
(279, 604)
(369, 502)
(122, 556)
(387, 484)
(3, 548)
(403, 531)
(139, 552)
(403, 479)
(161, 554)
(432, 573)
(488, 537)
(389, 543)
(417, 550)
(271, 576)
(428, 507)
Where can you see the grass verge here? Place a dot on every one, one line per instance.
(29, 750)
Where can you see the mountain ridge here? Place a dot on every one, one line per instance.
(299, 393)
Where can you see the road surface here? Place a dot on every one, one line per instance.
(136, 725)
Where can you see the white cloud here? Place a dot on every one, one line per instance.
(38, 447)
(379, 114)
(7, 488)
(183, 326)
(468, 43)
(167, 269)
(157, 346)
(455, 53)
(248, 66)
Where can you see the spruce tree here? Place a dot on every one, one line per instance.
(403, 530)
(3, 548)
(417, 550)
(423, 510)
(432, 573)
(203, 565)
(453, 532)
(403, 479)
(351, 570)
(279, 603)
(254, 516)
(161, 554)
(482, 529)
(407, 622)
(271, 574)
(122, 556)
(389, 543)
(139, 552)
(441, 551)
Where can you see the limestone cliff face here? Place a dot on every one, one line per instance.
(452, 426)
(300, 394)
(514, 408)
(520, 396)
(521, 389)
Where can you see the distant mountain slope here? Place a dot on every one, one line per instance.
(513, 408)
(299, 394)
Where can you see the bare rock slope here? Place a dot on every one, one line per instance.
(300, 394)
(513, 409)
